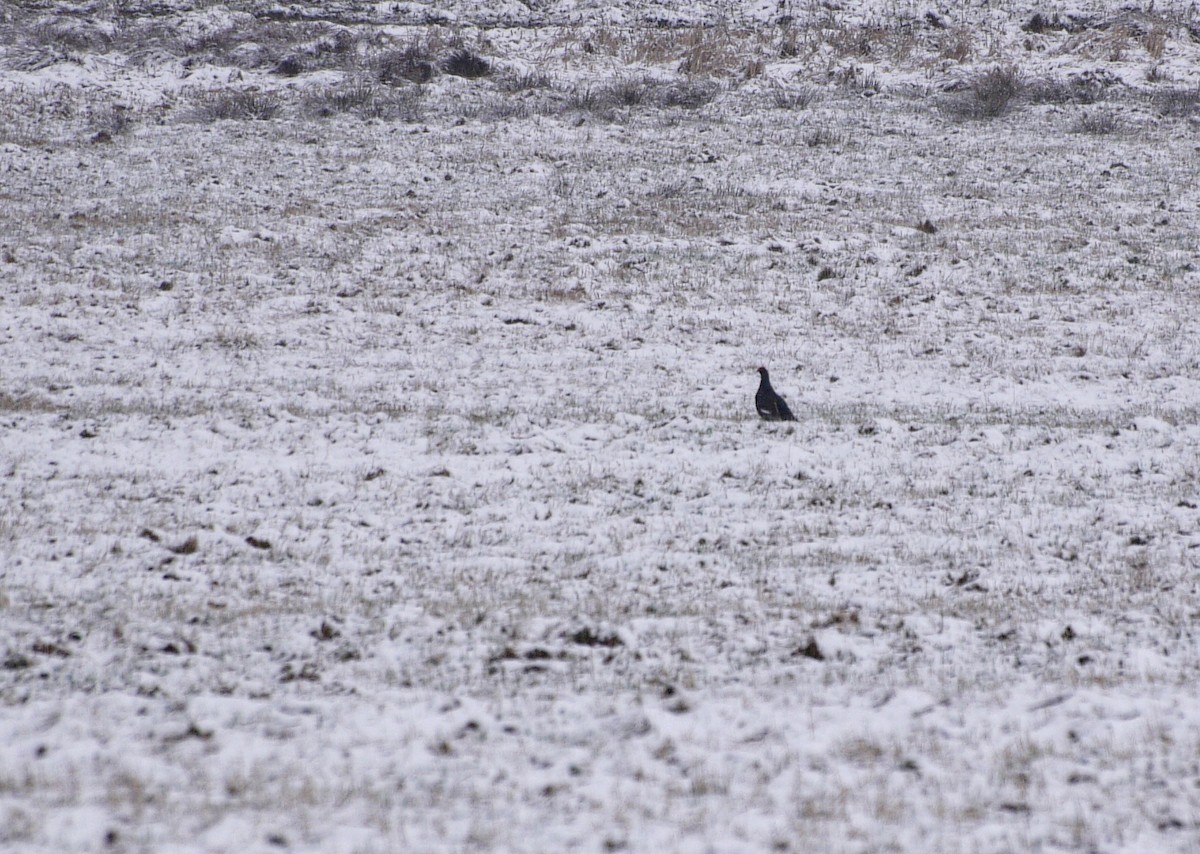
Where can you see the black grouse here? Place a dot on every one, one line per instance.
(771, 406)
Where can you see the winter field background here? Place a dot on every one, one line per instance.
(378, 462)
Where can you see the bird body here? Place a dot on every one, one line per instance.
(770, 405)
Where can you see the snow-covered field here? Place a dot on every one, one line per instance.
(383, 474)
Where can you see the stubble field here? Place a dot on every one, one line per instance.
(379, 469)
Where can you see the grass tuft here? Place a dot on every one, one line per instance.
(364, 99)
(411, 64)
(1098, 124)
(467, 64)
(688, 94)
(1178, 102)
(526, 82)
(236, 105)
(643, 91)
(989, 94)
(792, 98)
(289, 66)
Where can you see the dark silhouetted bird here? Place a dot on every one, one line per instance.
(771, 406)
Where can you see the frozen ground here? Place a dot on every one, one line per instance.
(384, 475)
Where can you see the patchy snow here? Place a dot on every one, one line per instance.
(391, 480)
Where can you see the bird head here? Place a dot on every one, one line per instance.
(762, 372)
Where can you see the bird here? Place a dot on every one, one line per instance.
(770, 405)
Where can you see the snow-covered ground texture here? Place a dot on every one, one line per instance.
(379, 469)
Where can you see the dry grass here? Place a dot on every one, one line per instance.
(410, 64)
(697, 52)
(1100, 123)
(1155, 41)
(466, 63)
(235, 105)
(957, 45)
(988, 94)
(793, 97)
(1178, 102)
(640, 92)
(365, 100)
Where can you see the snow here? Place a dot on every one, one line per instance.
(377, 484)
